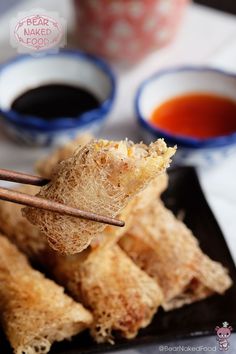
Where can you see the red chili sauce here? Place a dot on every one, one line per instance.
(196, 115)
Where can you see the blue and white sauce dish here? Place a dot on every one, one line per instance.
(67, 67)
(175, 82)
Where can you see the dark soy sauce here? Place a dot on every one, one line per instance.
(55, 101)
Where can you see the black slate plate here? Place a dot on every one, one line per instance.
(184, 194)
(225, 5)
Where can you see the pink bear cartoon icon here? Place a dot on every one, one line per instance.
(223, 333)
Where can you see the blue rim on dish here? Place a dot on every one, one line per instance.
(181, 140)
(34, 122)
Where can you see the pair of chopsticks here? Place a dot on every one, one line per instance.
(41, 203)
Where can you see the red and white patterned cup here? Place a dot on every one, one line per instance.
(126, 30)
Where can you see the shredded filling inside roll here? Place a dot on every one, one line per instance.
(101, 177)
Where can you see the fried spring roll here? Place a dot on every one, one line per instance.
(34, 311)
(122, 297)
(149, 195)
(101, 177)
(75, 273)
(111, 234)
(46, 165)
(166, 249)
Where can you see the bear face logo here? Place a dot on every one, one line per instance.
(223, 333)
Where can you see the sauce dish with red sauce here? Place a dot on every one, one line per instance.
(193, 108)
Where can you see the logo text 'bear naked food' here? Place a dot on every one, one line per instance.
(37, 32)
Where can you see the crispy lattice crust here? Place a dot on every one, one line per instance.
(101, 177)
(34, 311)
(149, 195)
(18, 229)
(112, 234)
(67, 271)
(119, 303)
(122, 298)
(167, 250)
(46, 165)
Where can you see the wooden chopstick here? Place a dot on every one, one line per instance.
(41, 203)
(19, 177)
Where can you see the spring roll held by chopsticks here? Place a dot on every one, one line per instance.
(34, 311)
(166, 249)
(76, 273)
(100, 177)
(111, 234)
(46, 165)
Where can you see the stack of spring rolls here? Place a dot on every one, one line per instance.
(120, 275)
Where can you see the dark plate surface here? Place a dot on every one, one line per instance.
(225, 5)
(184, 194)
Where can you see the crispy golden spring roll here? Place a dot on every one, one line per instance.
(75, 273)
(112, 234)
(122, 297)
(46, 165)
(148, 195)
(34, 311)
(45, 168)
(166, 249)
(101, 177)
